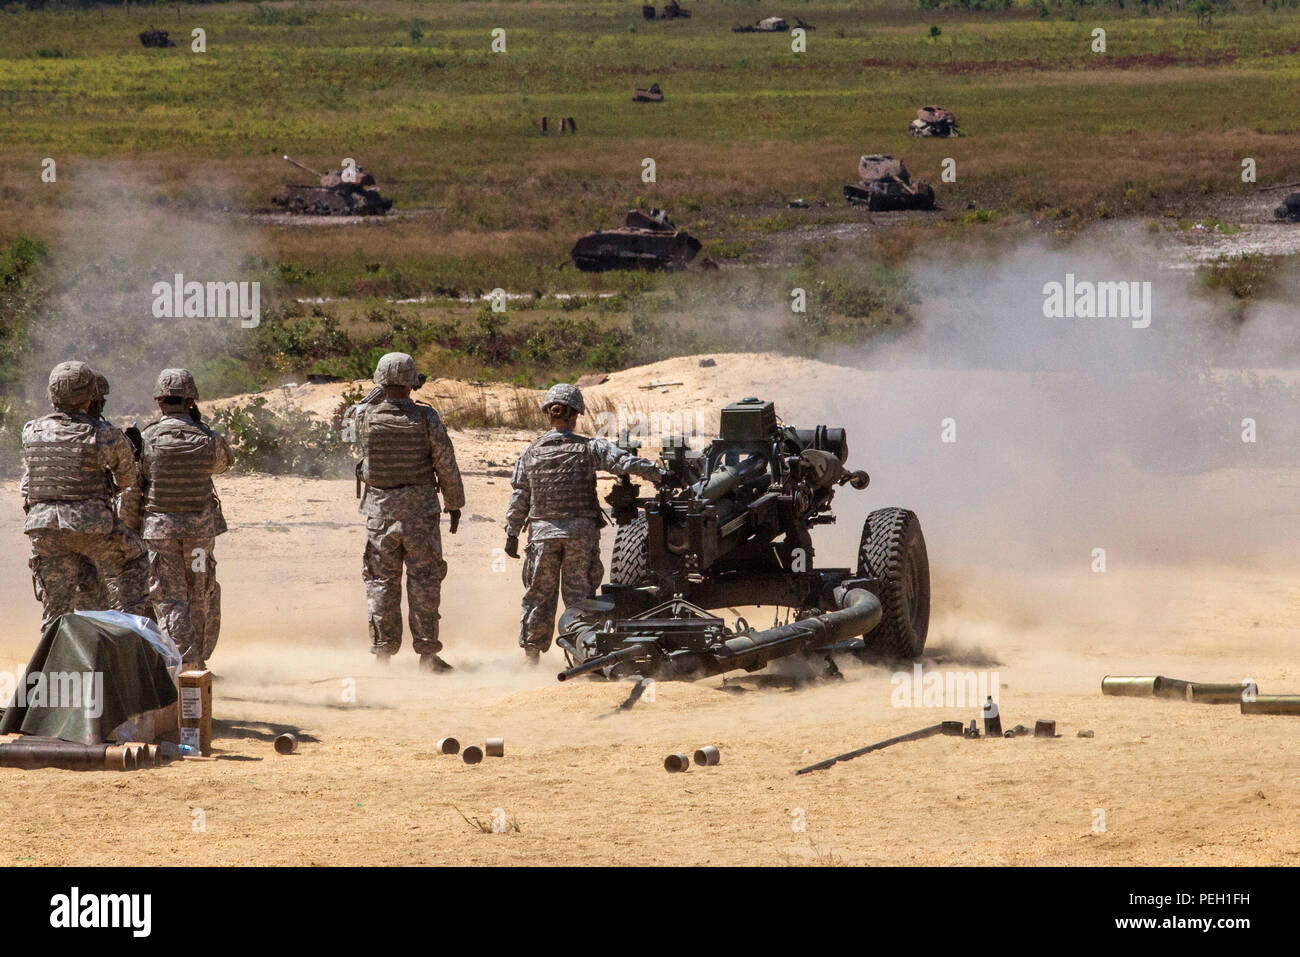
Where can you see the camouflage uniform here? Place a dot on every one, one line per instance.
(554, 486)
(181, 518)
(406, 458)
(66, 498)
(132, 583)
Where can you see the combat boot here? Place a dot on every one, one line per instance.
(432, 663)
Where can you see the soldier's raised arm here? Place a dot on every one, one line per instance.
(224, 457)
(444, 465)
(118, 456)
(611, 458)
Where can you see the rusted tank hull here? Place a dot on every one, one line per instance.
(634, 249)
(320, 201)
(1290, 208)
(885, 196)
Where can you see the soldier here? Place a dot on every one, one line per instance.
(66, 497)
(181, 516)
(133, 582)
(406, 458)
(555, 493)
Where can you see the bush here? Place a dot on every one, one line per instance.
(291, 442)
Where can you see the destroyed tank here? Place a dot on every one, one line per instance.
(1290, 208)
(651, 94)
(884, 184)
(934, 121)
(344, 192)
(644, 241)
(156, 38)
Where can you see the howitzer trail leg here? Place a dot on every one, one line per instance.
(425, 570)
(382, 572)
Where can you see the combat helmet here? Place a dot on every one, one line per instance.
(396, 368)
(564, 394)
(71, 384)
(176, 384)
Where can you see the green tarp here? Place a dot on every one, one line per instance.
(90, 673)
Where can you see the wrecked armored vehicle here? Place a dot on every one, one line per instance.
(644, 241)
(156, 38)
(344, 192)
(771, 25)
(934, 121)
(884, 184)
(1290, 208)
(652, 94)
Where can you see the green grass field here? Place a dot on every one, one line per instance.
(1055, 133)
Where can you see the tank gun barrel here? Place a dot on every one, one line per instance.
(303, 166)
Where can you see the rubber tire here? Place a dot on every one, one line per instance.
(892, 550)
(630, 564)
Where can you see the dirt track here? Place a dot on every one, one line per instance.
(1179, 783)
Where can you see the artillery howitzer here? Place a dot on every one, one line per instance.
(737, 532)
(344, 192)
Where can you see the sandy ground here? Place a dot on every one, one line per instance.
(583, 784)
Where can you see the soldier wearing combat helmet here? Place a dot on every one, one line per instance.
(66, 496)
(133, 582)
(180, 516)
(554, 486)
(406, 459)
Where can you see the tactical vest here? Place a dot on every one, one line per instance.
(179, 457)
(395, 449)
(561, 477)
(62, 455)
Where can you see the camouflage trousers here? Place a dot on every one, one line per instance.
(130, 590)
(390, 544)
(570, 565)
(186, 595)
(119, 562)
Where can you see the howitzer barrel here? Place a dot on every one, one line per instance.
(730, 477)
(860, 614)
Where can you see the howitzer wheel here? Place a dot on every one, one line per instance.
(892, 551)
(631, 560)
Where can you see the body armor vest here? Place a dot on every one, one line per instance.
(395, 448)
(62, 454)
(561, 477)
(179, 457)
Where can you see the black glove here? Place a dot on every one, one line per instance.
(512, 545)
(669, 479)
(455, 520)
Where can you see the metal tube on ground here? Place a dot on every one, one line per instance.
(1272, 704)
(51, 753)
(850, 755)
(707, 756)
(677, 762)
(286, 744)
(495, 747)
(448, 746)
(1206, 693)
(861, 613)
(1144, 686)
(472, 755)
(143, 759)
(116, 759)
